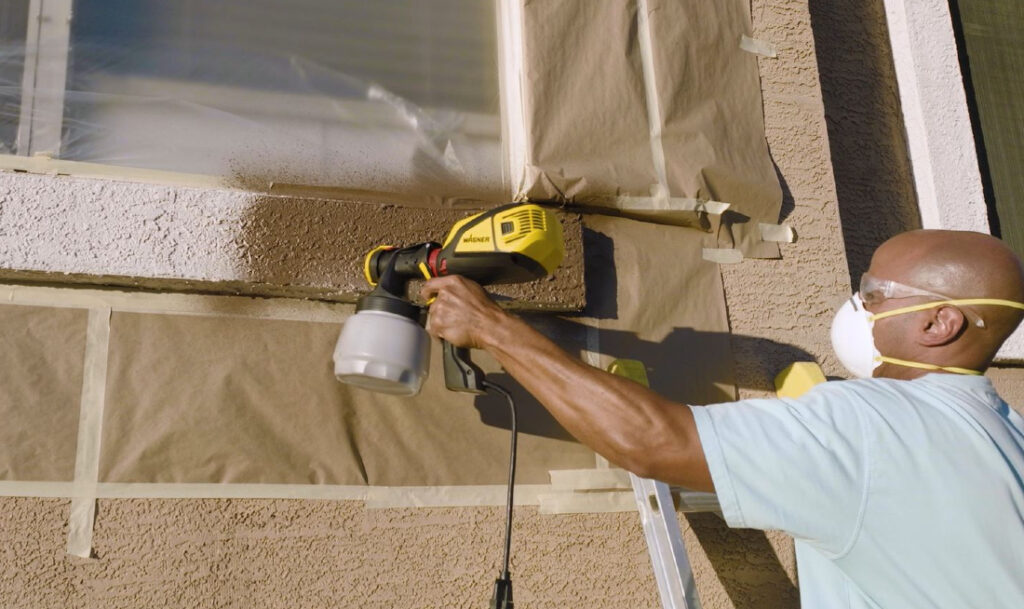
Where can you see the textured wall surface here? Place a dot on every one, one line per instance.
(873, 176)
(244, 553)
(225, 241)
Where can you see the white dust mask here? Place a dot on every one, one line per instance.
(853, 340)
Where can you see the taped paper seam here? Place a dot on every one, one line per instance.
(90, 428)
(513, 102)
(758, 47)
(723, 255)
(374, 496)
(590, 479)
(779, 233)
(586, 502)
(45, 165)
(651, 96)
(666, 203)
(178, 304)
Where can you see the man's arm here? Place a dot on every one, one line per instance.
(632, 426)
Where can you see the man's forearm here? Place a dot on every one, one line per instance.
(627, 423)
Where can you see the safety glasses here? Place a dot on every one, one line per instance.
(874, 290)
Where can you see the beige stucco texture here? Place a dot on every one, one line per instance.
(285, 554)
(63, 229)
(847, 181)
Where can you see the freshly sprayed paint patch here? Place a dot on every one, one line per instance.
(79, 230)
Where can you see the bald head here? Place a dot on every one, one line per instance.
(959, 264)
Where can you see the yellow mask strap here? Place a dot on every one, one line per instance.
(941, 303)
(932, 305)
(923, 366)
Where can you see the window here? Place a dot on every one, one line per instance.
(13, 21)
(991, 43)
(389, 96)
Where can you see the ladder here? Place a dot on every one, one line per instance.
(672, 570)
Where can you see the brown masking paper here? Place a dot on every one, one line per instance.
(588, 121)
(41, 365)
(198, 399)
(660, 303)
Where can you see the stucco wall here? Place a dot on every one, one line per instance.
(115, 233)
(221, 553)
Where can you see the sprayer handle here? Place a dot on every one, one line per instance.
(460, 373)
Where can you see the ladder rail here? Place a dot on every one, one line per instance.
(672, 570)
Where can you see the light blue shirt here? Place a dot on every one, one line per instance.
(899, 494)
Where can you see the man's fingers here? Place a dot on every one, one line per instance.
(434, 286)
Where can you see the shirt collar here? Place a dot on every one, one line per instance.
(963, 381)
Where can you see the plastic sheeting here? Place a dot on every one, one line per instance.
(396, 96)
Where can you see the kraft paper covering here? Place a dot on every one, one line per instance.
(40, 391)
(194, 399)
(660, 303)
(589, 142)
(584, 102)
(222, 398)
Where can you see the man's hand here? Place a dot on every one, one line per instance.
(461, 313)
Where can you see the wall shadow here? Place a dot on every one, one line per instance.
(870, 160)
(688, 366)
(746, 564)
(663, 361)
(788, 201)
(744, 560)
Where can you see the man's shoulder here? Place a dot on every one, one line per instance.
(928, 391)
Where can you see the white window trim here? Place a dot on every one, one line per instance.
(940, 138)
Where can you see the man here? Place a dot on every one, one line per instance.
(902, 490)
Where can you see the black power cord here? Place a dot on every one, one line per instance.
(502, 598)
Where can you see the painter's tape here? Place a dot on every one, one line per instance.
(513, 96)
(374, 496)
(651, 95)
(45, 165)
(164, 490)
(590, 479)
(451, 496)
(723, 255)
(693, 501)
(632, 203)
(18, 488)
(90, 428)
(177, 304)
(758, 47)
(587, 503)
(779, 233)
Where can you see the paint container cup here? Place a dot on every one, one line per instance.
(382, 352)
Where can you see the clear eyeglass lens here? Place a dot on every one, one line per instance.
(874, 290)
(872, 298)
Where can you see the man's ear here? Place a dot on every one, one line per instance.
(944, 325)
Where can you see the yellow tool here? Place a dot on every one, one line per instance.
(383, 347)
(797, 379)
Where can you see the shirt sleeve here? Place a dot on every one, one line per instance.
(796, 465)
